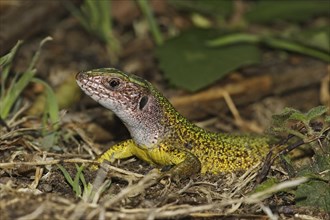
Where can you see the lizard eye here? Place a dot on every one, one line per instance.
(113, 83)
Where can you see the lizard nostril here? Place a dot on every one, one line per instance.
(80, 76)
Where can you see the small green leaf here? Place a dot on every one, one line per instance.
(281, 118)
(5, 63)
(319, 168)
(81, 177)
(298, 116)
(14, 91)
(322, 164)
(288, 110)
(18, 84)
(188, 63)
(316, 112)
(314, 193)
(327, 118)
(76, 181)
(280, 122)
(66, 175)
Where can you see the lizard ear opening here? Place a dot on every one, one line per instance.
(143, 102)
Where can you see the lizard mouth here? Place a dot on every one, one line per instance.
(85, 83)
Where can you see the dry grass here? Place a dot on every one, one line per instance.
(32, 186)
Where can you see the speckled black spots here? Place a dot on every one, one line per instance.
(167, 137)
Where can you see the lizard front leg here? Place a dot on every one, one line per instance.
(188, 167)
(121, 150)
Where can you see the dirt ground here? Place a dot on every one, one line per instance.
(32, 185)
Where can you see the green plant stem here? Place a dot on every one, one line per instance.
(13, 92)
(17, 85)
(5, 65)
(37, 54)
(233, 39)
(295, 47)
(146, 10)
(270, 42)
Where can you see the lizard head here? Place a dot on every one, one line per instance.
(130, 97)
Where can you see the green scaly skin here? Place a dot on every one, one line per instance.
(160, 135)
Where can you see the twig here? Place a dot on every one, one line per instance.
(218, 93)
(35, 214)
(43, 163)
(145, 182)
(250, 125)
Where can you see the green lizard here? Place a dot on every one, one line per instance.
(160, 135)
